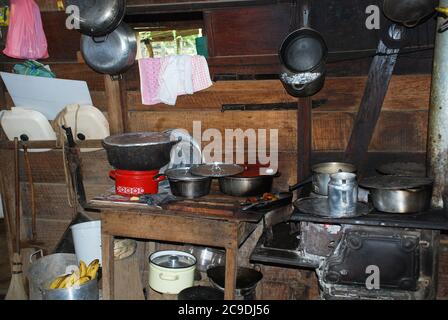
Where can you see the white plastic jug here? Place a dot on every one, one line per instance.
(87, 241)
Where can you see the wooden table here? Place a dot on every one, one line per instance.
(181, 226)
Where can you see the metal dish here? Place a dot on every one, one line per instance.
(320, 207)
(207, 257)
(185, 184)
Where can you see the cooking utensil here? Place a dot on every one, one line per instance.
(319, 206)
(171, 271)
(216, 170)
(246, 280)
(16, 290)
(394, 194)
(143, 151)
(185, 184)
(207, 257)
(321, 176)
(112, 54)
(303, 56)
(409, 12)
(281, 199)
(98, 17)
(248, 183)
(342, 193)
(134, 183)
(200, 293)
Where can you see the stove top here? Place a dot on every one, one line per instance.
(434, 219)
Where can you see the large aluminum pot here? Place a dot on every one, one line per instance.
(184, 184)
(143, 151)
(111, 54)
(44, 270)
(171, 271)
(98, 17)
(402, 201)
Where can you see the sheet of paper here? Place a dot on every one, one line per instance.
(46, 95)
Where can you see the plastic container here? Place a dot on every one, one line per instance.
(27, 125)
(87, 241)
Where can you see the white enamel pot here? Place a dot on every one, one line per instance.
(171, 271)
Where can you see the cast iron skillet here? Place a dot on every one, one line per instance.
(246, 279)
(410, 13)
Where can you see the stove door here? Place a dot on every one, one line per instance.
(390, 256)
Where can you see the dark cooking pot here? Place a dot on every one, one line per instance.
(112, 54)
(98, 17)
(409, 12)
(246, 280)
(303, 55)
(143, 151)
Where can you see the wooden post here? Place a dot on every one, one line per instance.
(114, 105)
(304, 134)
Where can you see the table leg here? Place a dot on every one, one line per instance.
(107, 243)
(231, 271)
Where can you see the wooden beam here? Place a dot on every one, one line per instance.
(114, 105)
(378, 80)
(304, 134)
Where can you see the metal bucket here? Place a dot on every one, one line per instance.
(44, 270)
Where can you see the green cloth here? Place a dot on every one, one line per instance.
(201, 46)
(33, 68)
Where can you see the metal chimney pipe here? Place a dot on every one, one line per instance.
(437, 150)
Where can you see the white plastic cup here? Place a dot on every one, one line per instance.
(87, 241)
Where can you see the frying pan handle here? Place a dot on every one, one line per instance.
(159, 177)
(411, 24)
(301, 184)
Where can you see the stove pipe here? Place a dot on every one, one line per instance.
(437, 150)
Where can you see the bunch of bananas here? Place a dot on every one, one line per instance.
(78, 277)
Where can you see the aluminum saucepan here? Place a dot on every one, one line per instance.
(251, 182)
(321, 176)
(402, 201)
(142, 151)
(184, 184)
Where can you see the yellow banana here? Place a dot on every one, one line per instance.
(92, 270)
(443, 10)
(81, 281)
(82, 269)
(55, 284)
(68, 281)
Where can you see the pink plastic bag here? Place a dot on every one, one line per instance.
(26, 37)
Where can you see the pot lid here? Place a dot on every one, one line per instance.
(183, 174)
(333, 167)
(216, 170)
(395, 182)
(173, 259)
(137, 139)
(410, 169)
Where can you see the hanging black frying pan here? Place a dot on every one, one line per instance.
(410, 13)
(98, 17)
(112, 54)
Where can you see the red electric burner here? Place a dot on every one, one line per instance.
(134, 183)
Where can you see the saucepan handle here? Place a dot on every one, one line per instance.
(159, 177)
(40, 252)
(112, 174)
(301, 184)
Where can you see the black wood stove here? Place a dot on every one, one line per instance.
(376, 256)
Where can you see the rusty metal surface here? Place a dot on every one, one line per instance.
(437, 151)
